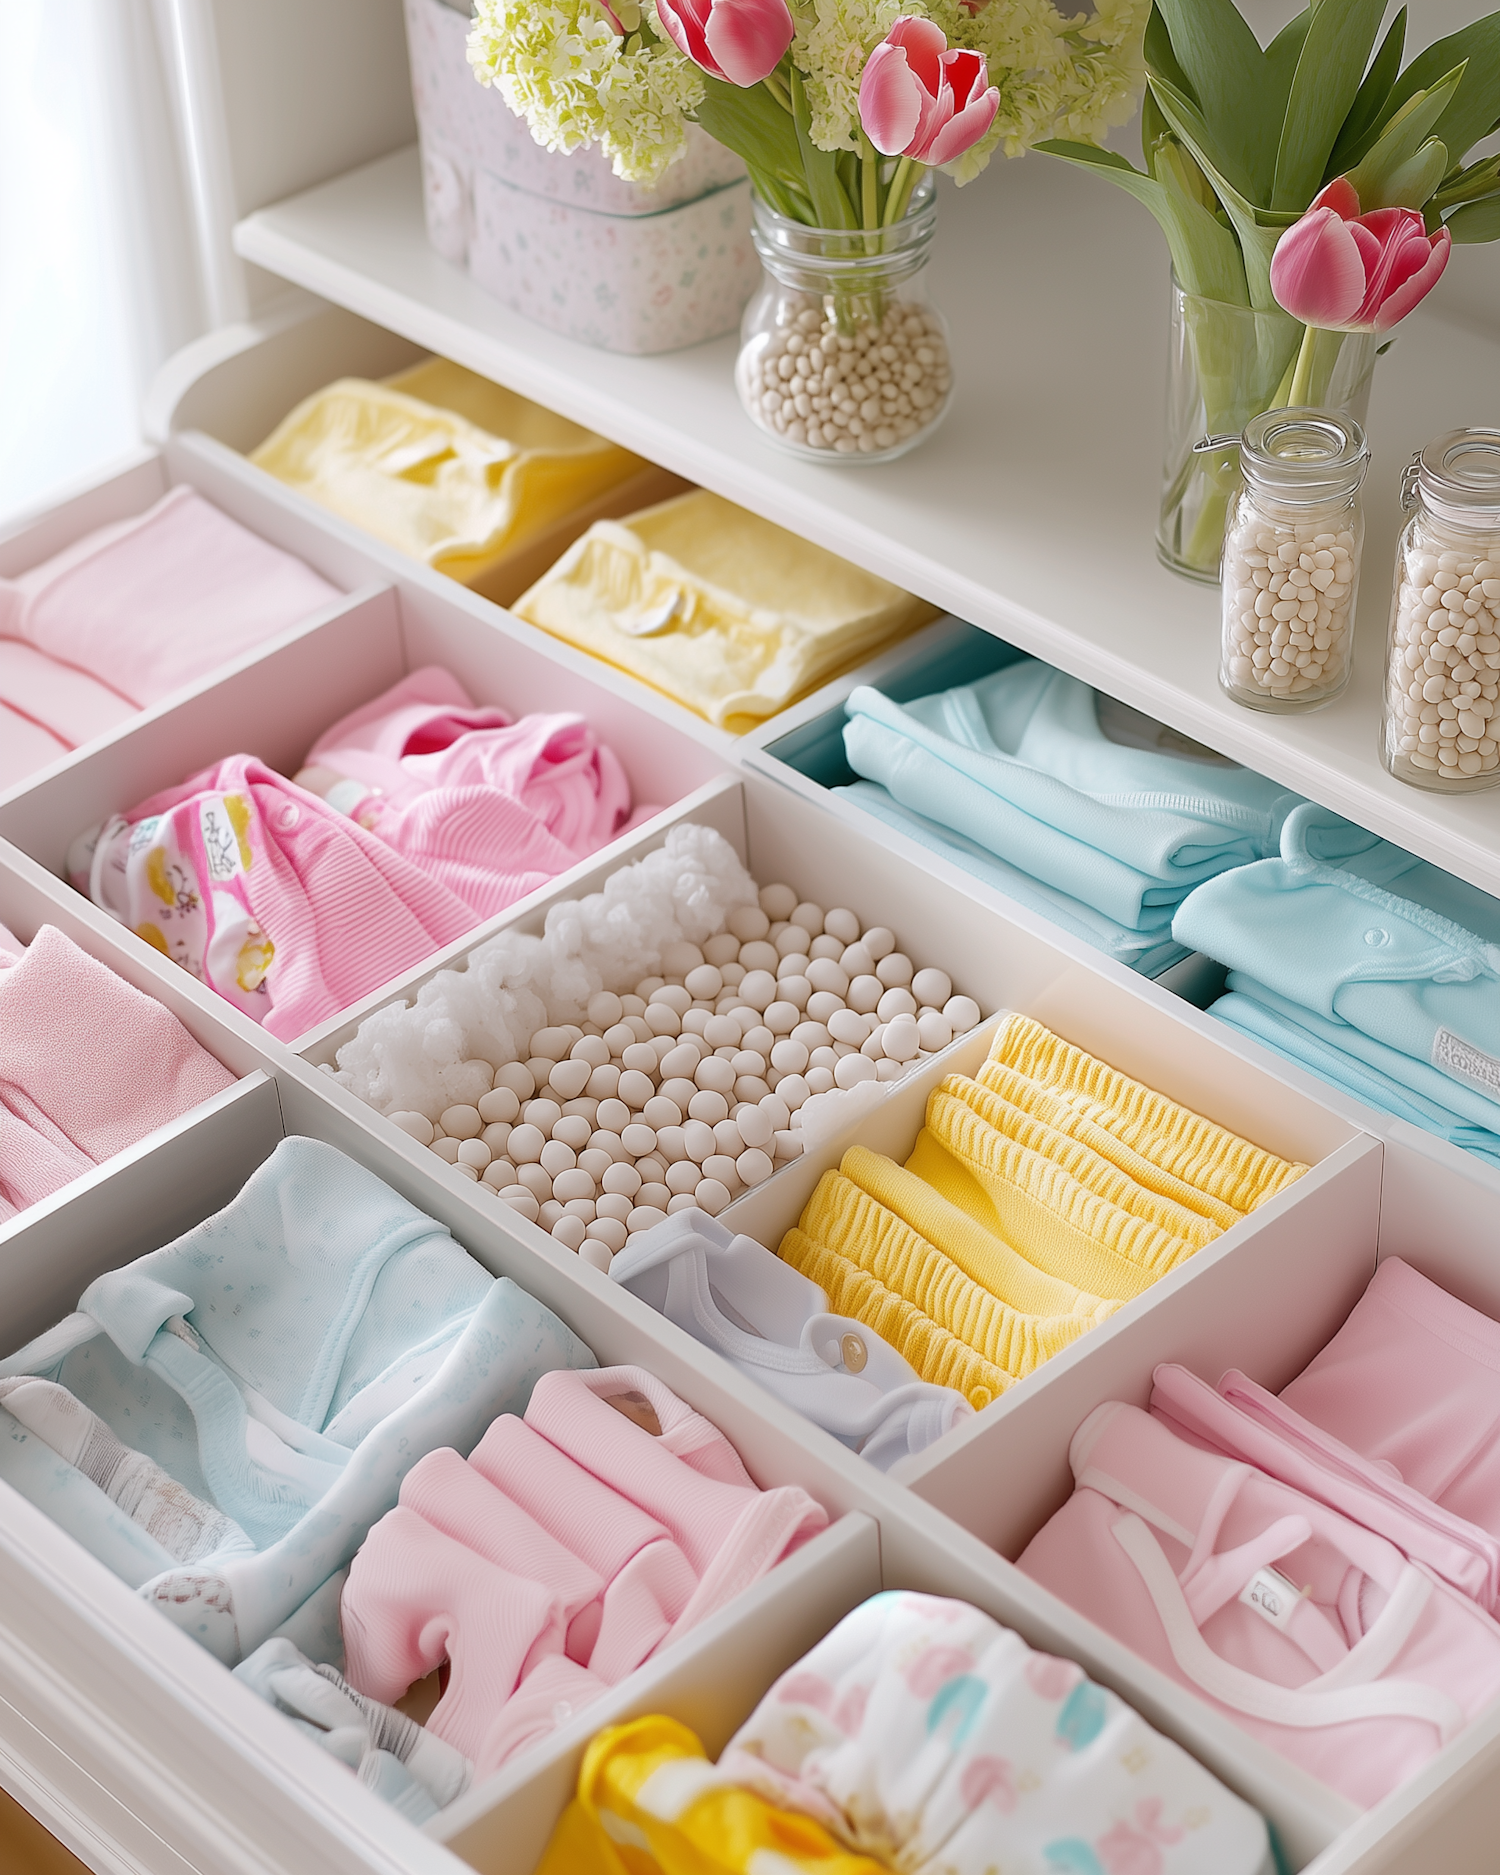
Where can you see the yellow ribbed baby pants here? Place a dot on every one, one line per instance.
(650, 1803)
(956, 1333)
(1182, 1143)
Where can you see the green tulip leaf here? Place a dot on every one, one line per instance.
(1469, 185)
(1153, 125)
(1476, 221)
(1159, 54)
(1232, 89)
(1401, 139)
(1205, 256)
(1282, 55)
(1367, 115)
(830, 201)
(1332, 62)
(1409, 184)
(1257, 243)
(1475, 111)
(766, 140)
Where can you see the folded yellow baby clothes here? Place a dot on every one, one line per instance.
(991, 1262)
(954, 1332)
(1084, 1120)
(1190, 1147)
(441, 463)
(1055, 1222)
(650, 1803)
(729, 614)
(1091, 1169)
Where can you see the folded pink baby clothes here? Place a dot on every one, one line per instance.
(493, 808)
(48, 708)
(1395, 1424)
(1311, 1632)
(88, 1066)
(148, 604)
(570, 1546)
(284, 906)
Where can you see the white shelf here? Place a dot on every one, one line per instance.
(1031, 513)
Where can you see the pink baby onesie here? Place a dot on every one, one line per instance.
(48, 708)
(1394, 1423)
(88, 1066)
(1311, 1632)
(491, 807)
(544, 1576)
(151, 603)
(287, 908)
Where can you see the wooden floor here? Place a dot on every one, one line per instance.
(27, 1849)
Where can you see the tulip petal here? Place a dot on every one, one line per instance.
(967, 74)
(1317, 271)
(964, 129)
(686, 33)
(890, 100)
(1340, 196)
(924, 44)
(1403, 250)
(746, 38)
(1416, 286)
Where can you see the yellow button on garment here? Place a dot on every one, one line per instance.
(728, 613)
(650, 1803)
(1190, 1147)
(1098, 1174)
(952, 1330)
(1056, 1223)
(448, 467)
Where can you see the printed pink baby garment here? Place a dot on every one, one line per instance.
(491, 807)
(1309, 1631)
(159, 600)
(1395, 1424)
(88, 1066)
(285, 907)
(568, 1548)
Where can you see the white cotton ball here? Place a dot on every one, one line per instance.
(499, 1105)
(874, 1043)
(474, 1152)
(613, 1116)
(722, 1032)
(789, 1055)
(635, 1090)
(680, 957)
(888, 1070)
(525, 1144)
(841, 924)
(932, 986)
(962, 1012)
(754, 1125)
(720, 1167)
(592, 1049)
(711, 1196)
(777, 901)
(808, 916)
(500, 1174)
(901, 1040)
(788, 1145)
(521, 1200)
(879, 941)
(822, 1004)
(934, 1031)
(614, 1205)
(795, 989)
(753, 1166)
(644, 1217)
(557, 1157)
(573, 1129)
(622, 1179)
(569, 1078)
(597, 1254)
(462, 1122)
(896, 1002)
(570, 1182)
(895, 970)
(681, 1201)
(855, 961)
(417, 1125)
(604, 1008)
(660, 1111)
(853, 1069)
(729, 1139)
(569, 1231)
(683, 1176)
(825, 947)
(709, 1105)
(715, 1073)
(518, 1078)
(748, 922)
(845, 1026)
(638, 1139)
(698, 1139)
(609, 1231)
(704, 983)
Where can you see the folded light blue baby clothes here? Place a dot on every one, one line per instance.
(1352, 947)
(1150, 950)
(286, 1361)
(1020, 763)
(736, 1296)
(413, 1769)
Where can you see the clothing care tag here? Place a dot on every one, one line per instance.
(1465, 1062)
(1272, 1597)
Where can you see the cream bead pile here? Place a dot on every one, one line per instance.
(852, 394)
(1288, 604)
(686, 1092)
(1444, 679)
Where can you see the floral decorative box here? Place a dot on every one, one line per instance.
(562, 239)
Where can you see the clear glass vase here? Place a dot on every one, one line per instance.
(1227, 364)
(842, 355)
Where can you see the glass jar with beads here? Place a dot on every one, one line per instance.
(1290, 568)
(1442, 692)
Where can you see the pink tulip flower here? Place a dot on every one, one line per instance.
(919, 99)
(1348, 272)
(738, 40)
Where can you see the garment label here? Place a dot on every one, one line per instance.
(220, 842)
(1465, 1062)
(1272, 1596)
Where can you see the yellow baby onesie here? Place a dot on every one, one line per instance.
(443, 464)
(1056, 1223)
(729, 614)
(650, 1803)
(875, 1267)
(1091, 1169)
(1183, 1143)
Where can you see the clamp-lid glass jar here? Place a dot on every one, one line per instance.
(1290, 569)
(1442, 693)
